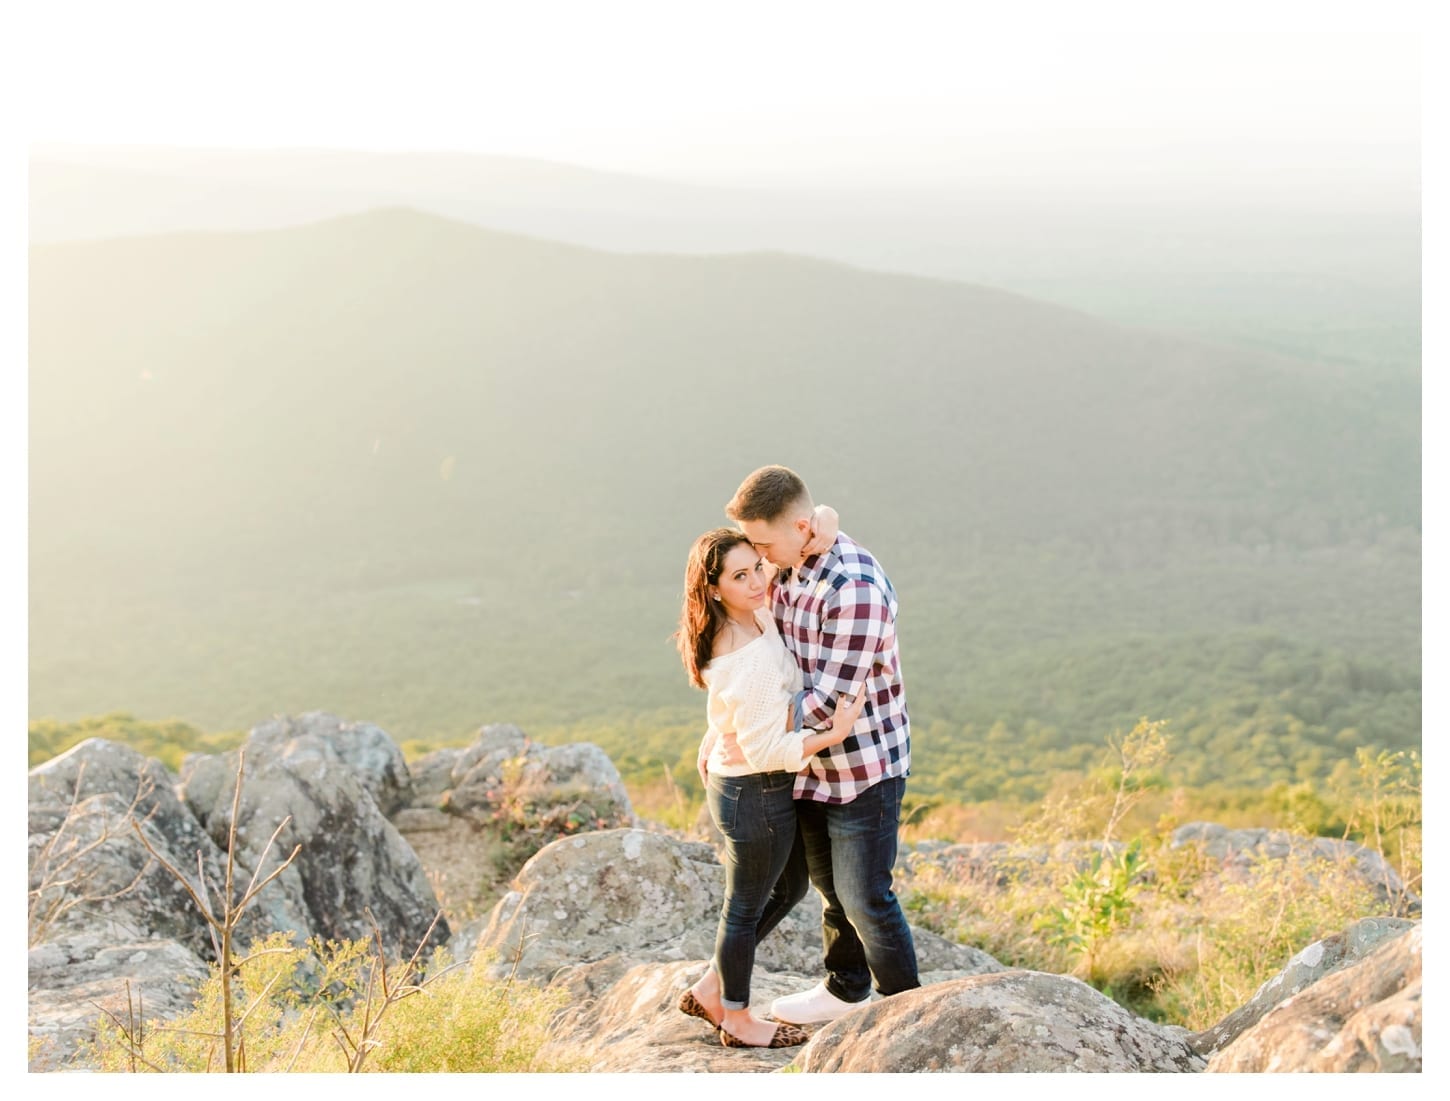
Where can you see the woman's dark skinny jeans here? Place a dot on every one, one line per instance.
(756, 813)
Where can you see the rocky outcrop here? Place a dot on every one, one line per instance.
(90, 869)
(1012, 1022)
(107, 912)
(303, 782)
(77, 977)
(1323, 957)
(476, 813)
(627, 1019)
(622, 918)
(505, 772)
(1363, 1017)
(635, 896)
(625, 920)
(1243, 849)
(970, 1015)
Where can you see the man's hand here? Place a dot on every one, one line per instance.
(848, 710)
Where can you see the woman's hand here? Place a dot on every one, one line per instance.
(827, 525)
(847, 712)
(702, 757)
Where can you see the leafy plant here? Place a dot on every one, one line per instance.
(1095, 903)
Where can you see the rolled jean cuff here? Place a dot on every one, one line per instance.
(725, 1003)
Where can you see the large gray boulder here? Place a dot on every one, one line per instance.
(1010, 1022)
(626, 892)
(1362, 1017)
(477, 813)
(1323, 957)
(504, 772)
(90, 869)
(438, 775)
(366, 750)
(94, 873)
(352, 865)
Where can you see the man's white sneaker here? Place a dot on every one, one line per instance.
(813, 1007)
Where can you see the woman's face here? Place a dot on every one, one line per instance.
(744, 581)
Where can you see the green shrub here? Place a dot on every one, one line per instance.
(310, 1008)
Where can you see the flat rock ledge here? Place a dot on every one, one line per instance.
(1009, 1022)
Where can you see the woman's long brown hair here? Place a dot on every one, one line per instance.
(701, 617)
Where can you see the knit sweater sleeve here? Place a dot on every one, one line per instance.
(757, 708)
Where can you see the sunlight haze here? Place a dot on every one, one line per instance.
(796, 96)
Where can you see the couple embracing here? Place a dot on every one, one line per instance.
(790, 627)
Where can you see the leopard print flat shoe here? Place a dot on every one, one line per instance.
(785, 1036)
(695, 1008)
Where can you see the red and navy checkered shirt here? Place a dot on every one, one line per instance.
(837, 615)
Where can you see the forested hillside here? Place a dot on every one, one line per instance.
(430, 476)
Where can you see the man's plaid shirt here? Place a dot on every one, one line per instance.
(837, 615)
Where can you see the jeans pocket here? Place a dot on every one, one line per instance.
(724, 799)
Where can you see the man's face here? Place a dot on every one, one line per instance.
(782, 542)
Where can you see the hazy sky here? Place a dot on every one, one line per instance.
(1319, 103)
(1266, 100)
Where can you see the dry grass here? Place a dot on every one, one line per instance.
(1172, 932)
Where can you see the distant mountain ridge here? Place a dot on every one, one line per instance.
(1338, 284)
(1033, 379)
(506, 445)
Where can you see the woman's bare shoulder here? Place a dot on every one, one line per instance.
(731, 642)
(727, 644)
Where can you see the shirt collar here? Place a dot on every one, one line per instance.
(808, 569)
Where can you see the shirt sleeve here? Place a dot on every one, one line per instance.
(757, 710)
(856, 625)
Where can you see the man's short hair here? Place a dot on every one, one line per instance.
(769, 494)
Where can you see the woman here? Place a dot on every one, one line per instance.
(729, 645)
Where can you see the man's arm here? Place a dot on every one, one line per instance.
(855, 625)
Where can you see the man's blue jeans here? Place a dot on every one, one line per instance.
(756, 813)
(848, 851)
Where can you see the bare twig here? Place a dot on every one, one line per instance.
(133, 1029)
(63, 878)
(223, 926)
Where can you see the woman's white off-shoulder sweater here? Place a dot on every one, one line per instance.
(750, 693)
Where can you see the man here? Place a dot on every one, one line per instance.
(836, 612)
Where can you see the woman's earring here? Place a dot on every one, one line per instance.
(717, 598)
